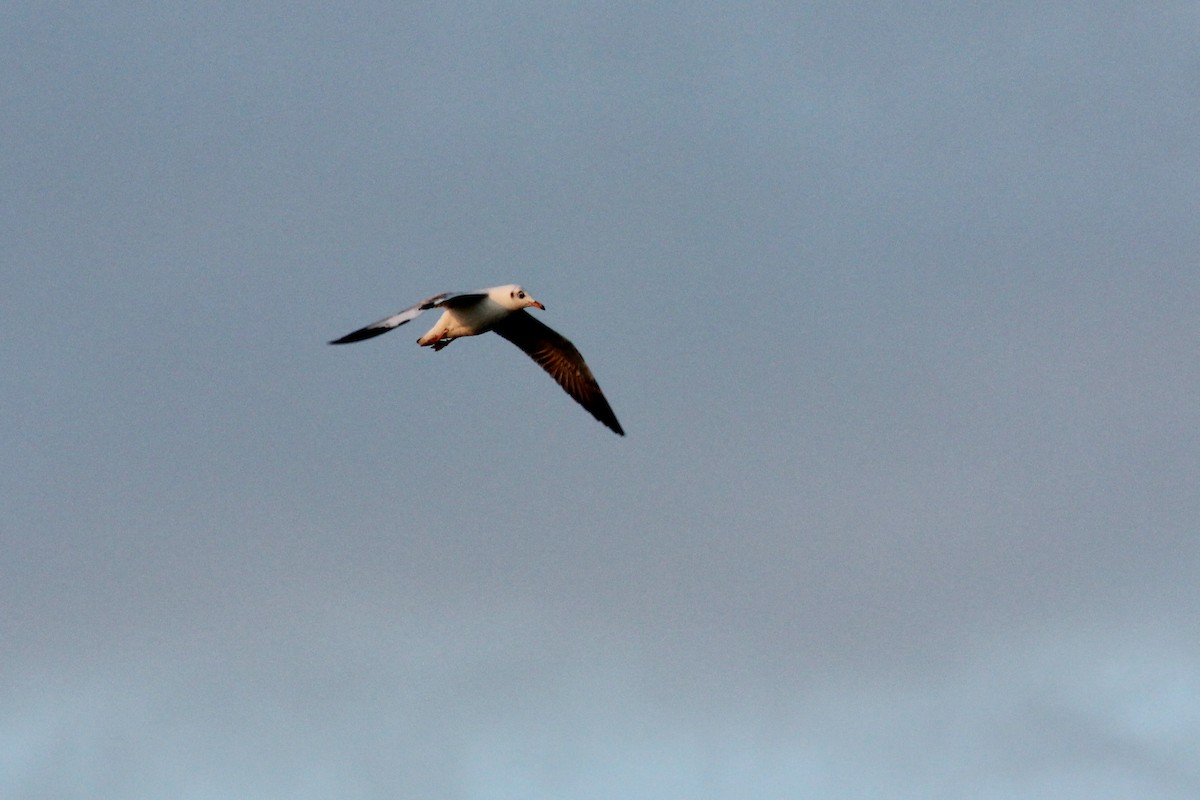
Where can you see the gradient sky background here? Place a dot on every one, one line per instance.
(899, 304)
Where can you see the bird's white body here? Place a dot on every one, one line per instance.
(477, 318)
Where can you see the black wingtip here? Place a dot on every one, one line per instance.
(359, 335)
(603, 412)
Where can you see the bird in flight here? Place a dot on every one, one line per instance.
(502, 309)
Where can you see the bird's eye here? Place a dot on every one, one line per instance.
(521, 295)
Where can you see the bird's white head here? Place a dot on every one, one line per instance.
(514, 298)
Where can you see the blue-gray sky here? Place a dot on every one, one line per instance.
(899, 304)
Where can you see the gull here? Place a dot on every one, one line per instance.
(502, 309)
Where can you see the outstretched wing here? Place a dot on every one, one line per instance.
(407, 315)
(559, 357)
